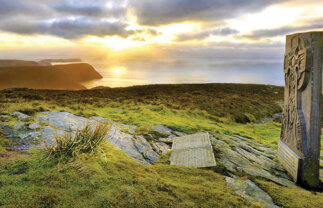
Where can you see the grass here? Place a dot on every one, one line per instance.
(187, 108)
(107, 177)
(292, 197)
(72, 144)
(3, 142)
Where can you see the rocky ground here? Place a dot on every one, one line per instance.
(236, 156)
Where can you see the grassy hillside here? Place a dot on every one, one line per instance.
(223, 108)
(109, 178)
(47, 77)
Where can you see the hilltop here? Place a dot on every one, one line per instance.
(132, 167)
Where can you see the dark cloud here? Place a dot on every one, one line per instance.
(68, 19)
(267, 33)
(91, 8)
(199, 36)
(31, 8)
(158, 12)
(67, 28)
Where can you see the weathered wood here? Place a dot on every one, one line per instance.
(193, 151)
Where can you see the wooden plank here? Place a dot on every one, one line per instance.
(193, 151)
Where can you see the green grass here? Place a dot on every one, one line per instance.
(187, 108)
(3, 142)
(84, 140)
(109, 178)
(292, 197)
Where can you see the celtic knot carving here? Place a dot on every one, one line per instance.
(297, 66)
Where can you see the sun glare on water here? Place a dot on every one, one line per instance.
(118, 71)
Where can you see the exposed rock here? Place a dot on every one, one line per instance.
(64, 120)
(167, 140)
(248, 190)
(20, 115)
(100, 119)
(125, 143)
(240, 154)
(18, 126)
(161, 147)
(34, 126)
(265, 120)
(145, 149)
(136, 147)
(130, 128)
(49, 134)
(33, 135)
(161, 129)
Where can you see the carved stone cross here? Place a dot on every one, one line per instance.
(299, 146)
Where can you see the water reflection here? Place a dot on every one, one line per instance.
(118, 71)
(184, 70)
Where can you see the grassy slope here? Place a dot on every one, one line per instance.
(109, 179)
(188, 108)
(112, 178)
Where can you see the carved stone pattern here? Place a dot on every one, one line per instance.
(296, 69)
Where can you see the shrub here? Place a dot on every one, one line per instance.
(72, 144)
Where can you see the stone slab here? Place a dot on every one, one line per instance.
(193, 151)
(289, 159)
(191, 141)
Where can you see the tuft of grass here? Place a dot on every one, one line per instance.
(72, 144)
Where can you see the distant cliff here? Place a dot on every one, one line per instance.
(47, 62)
(67, 76)
(62, 60)
(12, 62)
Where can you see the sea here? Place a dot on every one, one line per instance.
(187, 70)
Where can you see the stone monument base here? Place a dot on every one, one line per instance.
(289, 159)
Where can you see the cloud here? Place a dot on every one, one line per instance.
(31, 8)
(269, 33)
(66, 27)
(202, 35)
(159, 12)
(67, 19)
(92, 8)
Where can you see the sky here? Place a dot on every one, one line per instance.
(141, 28)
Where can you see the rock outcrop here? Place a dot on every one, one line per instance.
(251, 192)
(49, 125)
(240, 155)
